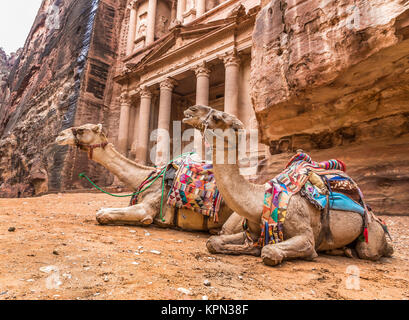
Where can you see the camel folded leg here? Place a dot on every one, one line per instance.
(133, 215)
(301, 246)
(377, 245)
(232, 244)
(233, 225)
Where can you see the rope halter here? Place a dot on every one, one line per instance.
(89, 147)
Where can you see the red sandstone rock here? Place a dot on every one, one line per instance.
(330, 77)
(59, 80)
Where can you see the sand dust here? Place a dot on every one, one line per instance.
(80, 259)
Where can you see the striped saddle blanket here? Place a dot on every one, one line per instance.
(194, 188)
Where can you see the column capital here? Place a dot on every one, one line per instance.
(125, 98)
(145, 92)
(201, 70)
(132, 4)
(230, 59)
(168, 84)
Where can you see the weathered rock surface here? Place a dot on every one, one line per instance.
(331, 77)
(61, 78)
(6, 64)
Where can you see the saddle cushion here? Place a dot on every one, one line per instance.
(194, 188)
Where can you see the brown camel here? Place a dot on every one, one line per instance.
(91, 139)
(302, 226)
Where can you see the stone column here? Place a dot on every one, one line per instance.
(200, 7)
(173, 11)
(180, 9)
(124, 123)
(165, 108)
(132, 28)
(143, 125)
(150, 32)
(202, 97)
(231, 85)
(135, 134)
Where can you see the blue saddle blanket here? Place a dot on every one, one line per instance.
(337, 201)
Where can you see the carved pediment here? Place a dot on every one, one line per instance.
(180, 36)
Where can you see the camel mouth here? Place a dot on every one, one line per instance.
(59, 140)
(62, 141)
(189, 118)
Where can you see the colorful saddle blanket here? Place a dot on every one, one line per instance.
(295, 177)
(194, 188)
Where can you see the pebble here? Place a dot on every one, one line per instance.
(48, 269)
(135, 263)
(106, 279)
(132, 231)
(12, 229)
(240, 278)
(55, 252)
(155, 251)
(30, 280)
(206, 283)
(205, 298)
(185, 291)
(147, 234)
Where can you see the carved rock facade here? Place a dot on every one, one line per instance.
(60, 79)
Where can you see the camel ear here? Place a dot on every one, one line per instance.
(237, 125)
(97, 128)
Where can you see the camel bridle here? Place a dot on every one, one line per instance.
(205, 130)
(89, 147)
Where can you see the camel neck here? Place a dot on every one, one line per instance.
(129, 172)
(241, 196)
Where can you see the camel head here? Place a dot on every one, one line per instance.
(203, 117)
(86, 137)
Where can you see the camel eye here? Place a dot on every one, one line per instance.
(80, 131)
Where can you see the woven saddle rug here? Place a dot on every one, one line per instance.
(194, 188)
(279, 190)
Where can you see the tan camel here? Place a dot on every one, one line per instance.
(302, 226)
(90, 138)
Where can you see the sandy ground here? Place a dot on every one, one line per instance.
(115, 262)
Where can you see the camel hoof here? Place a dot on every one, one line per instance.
(271, 255)
(388, 250)
(270, 262)
(103, 217)
(313, 255)
(211, 245)
(348, 252)
(147, 220)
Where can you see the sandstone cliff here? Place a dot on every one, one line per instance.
(60, 78)
(6, 64)
(331, 77)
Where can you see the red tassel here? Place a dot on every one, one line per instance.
(366, 234)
